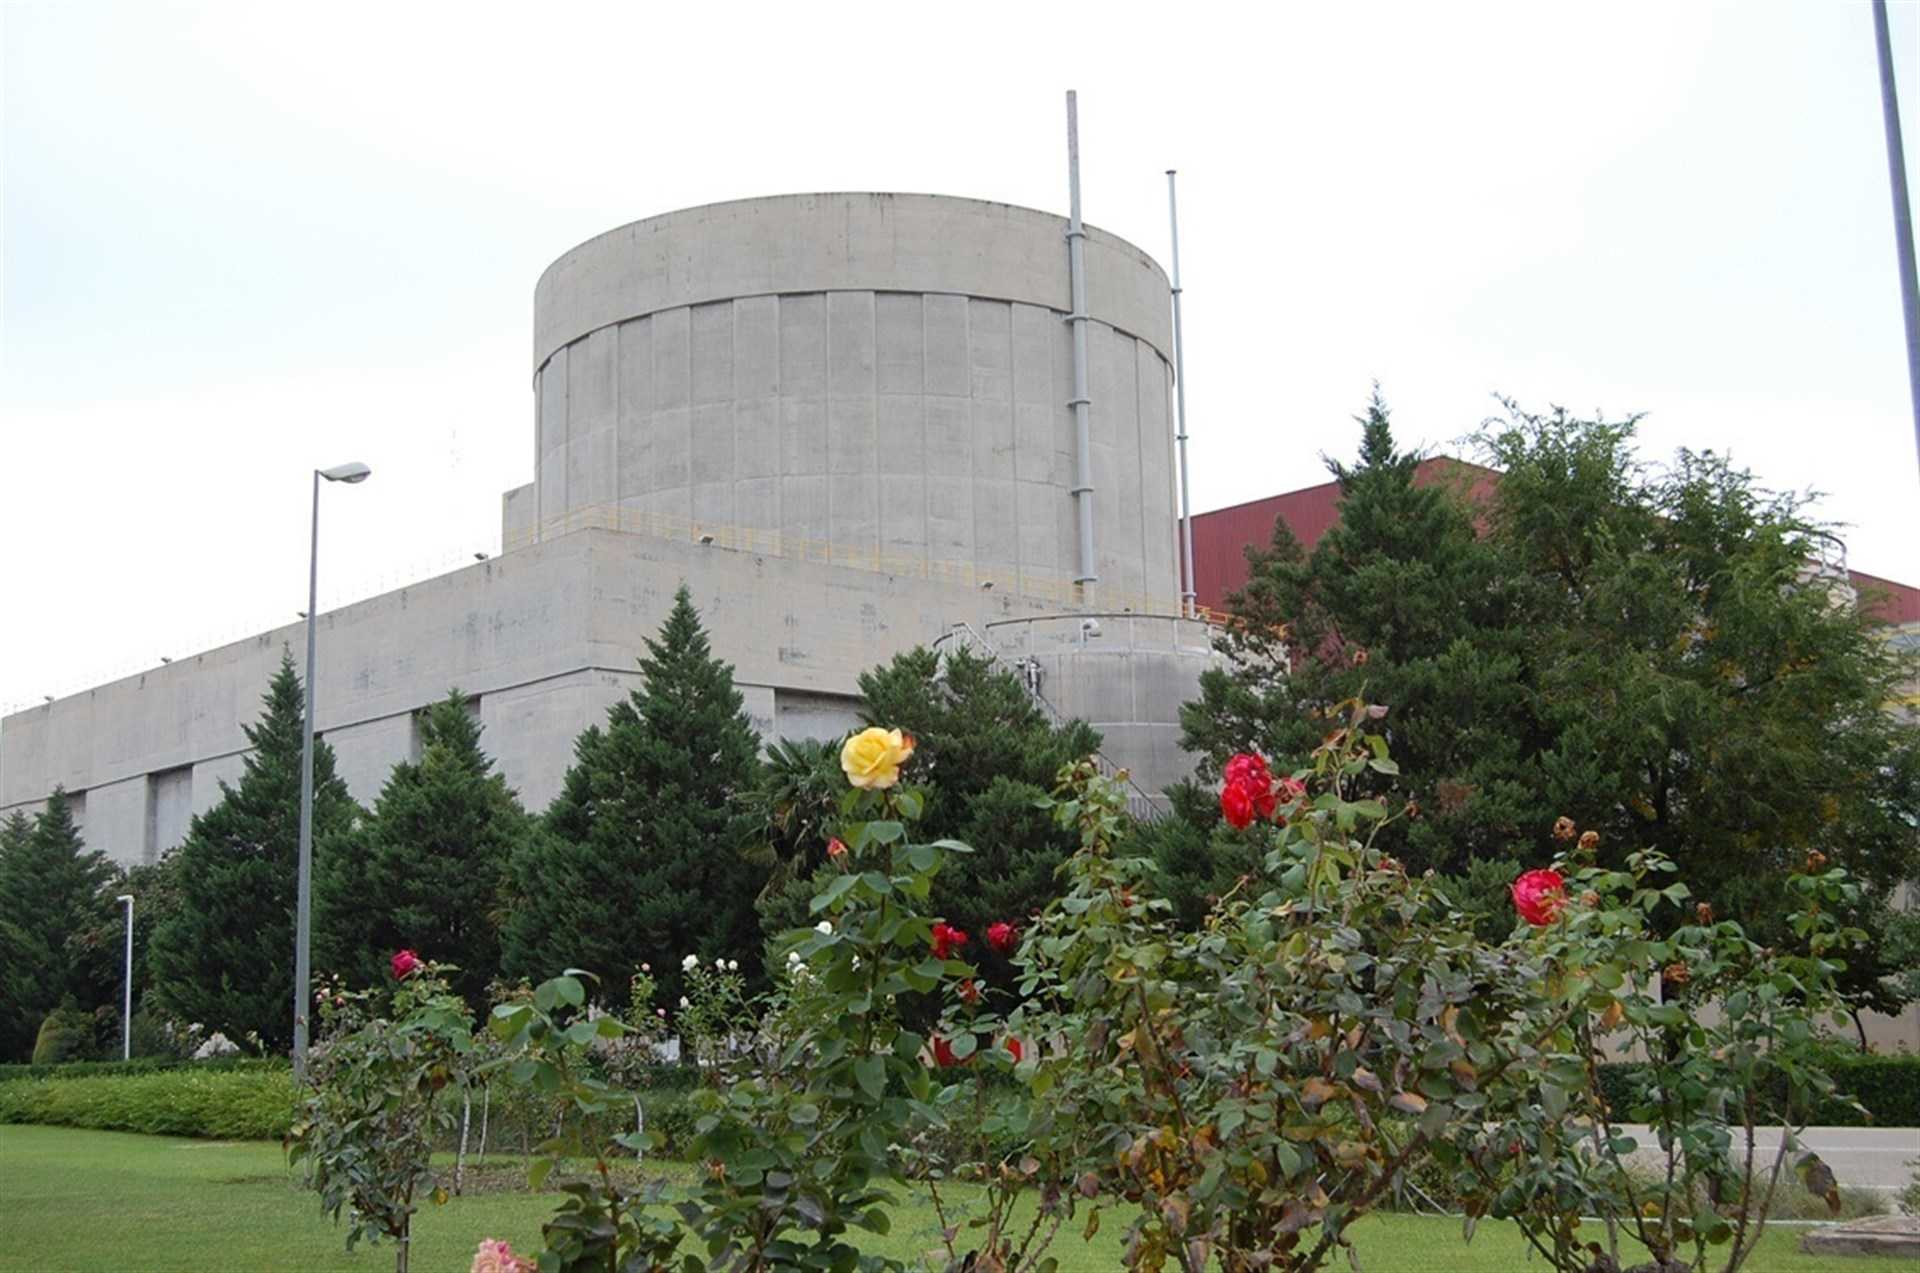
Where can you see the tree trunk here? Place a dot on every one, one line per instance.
(486, 1104)
(466, 1121)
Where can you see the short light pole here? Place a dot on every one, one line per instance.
(303, 922)
(126, 998)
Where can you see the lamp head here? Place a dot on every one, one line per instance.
(124, 897)
(350, 472)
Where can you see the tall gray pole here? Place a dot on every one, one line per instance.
(1189, 597)
(1082, 426)
(126, 993)
(1902, 212)
(303, 923)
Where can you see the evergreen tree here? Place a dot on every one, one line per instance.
(430, 870)
(985, 751)
(224, 957)
(1653, 653)
(1403, 603)
(53, 891)
(641, 857)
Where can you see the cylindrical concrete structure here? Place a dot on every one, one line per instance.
(869, 378)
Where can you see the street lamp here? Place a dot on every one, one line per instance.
(303, 923)
(126, 1003)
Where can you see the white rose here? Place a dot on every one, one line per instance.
(684, 1003)
(690, 963)
(733, 965)
(824, 926)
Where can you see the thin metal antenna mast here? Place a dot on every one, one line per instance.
(1082, 427)
(1188, 596)
(1902, 212)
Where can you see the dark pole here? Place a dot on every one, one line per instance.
(1902, 212)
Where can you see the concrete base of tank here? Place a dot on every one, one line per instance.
(544, 640)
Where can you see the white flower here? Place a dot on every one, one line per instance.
(646, 967)
(824, 926)
(719, 965)
(793, 957)
(856, 961)
(733, 965)
(684, 1003)
(690, 963)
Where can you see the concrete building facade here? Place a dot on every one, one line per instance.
(843, 420)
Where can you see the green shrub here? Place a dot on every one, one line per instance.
(138, 1065)
(65, 1034)
(1888, 1086)
(245, 1104)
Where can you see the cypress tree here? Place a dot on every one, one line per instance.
(985, 753)
(430, 870)
(53, 891)
(224, 958)
(1402, 602)
(641, 858)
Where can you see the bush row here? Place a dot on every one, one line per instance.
(138, 1065)
(230, 1104)
(253, 1100)
(1888, 1086)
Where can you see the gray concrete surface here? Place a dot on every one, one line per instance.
(886, 375)
(1861, 1157)
(843, 420)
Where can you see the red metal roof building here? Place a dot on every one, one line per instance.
(1221, 537)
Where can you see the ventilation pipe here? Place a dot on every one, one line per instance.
(1082, 427)
(1189, 598)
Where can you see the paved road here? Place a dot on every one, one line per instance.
(1867, 1157)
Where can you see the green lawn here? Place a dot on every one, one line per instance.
(107, 1201)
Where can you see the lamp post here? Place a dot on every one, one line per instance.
(126, 1000)
(303, 922)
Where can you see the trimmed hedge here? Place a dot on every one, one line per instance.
(138, 1065)
(1888, 1086)
(231, 1104)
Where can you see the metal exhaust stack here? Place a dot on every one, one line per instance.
(1082, 426)
(1188, 597)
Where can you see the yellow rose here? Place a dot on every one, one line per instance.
(872, 757)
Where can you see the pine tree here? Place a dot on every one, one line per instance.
(985, 753)
(1403, 603)
(53, 891)
(224, 959)
(641, 858)
(430, 871)
(1650, 652)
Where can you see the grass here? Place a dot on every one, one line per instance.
(84, 1201)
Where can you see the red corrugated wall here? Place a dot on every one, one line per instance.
(1220, 538)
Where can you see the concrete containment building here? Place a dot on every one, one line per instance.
(846, 421)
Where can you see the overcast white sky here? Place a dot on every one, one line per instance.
(245, 240)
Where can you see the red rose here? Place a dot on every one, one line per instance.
(1538, 896)
(969, 993)
(1236, 805)
(1248, 765)
(1014, 1049)
(1003, 937)
(1249, 771)
(946, 940)
(943, 1054)
(404, 963)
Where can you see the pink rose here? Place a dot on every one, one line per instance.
(405, 963)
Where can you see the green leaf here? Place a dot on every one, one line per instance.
(871, 1073)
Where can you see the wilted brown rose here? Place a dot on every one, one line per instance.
(1589, 840)
(1703, 913)
(1677, 973)
(1563, 828)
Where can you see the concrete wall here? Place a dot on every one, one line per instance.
(546, 639)
(873, 377)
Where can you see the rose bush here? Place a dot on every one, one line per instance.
(367, 1124)
(1719, 1022)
